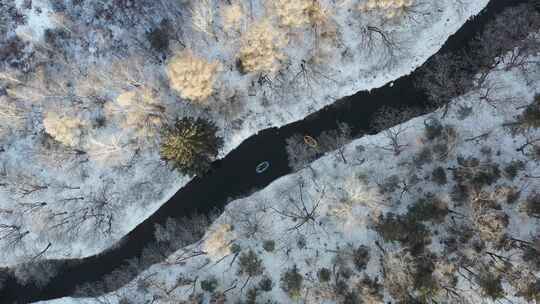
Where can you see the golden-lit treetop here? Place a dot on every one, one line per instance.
(233, 15)
(390, 8)
(193, 77)
(293, 13)
(261, 48)
(299, 13)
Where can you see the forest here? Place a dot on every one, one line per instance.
(115, 105)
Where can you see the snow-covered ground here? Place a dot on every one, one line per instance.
(101, 175)
(318, 217)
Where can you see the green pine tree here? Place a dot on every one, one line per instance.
(190, 145)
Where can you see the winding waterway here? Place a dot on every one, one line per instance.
(235, 175)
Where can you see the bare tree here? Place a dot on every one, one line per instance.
(178, 233)
(251, 220)
(387, 117)
(336, 140)
(110, 151)
(445, 77)
(311, 74)
(12, 234)
(390, 121)
(394, 136)
(530, 142)
(302, 209)
(98, 210)
(509, 38)
(489, 91)
(378, 40)
(20, 184)
(38, 273)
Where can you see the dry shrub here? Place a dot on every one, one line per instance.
(261, 48)
(369, 290)
(445, 272)
(526, 284)
(532, 205)
(397, 278)
(507, 194)
(491, 225)
(64, 129)
(530, 118)
(193, 77)
(389, 8)
(406, 276)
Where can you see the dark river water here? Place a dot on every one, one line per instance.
(235, 176)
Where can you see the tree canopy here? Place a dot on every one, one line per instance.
(190, 145)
